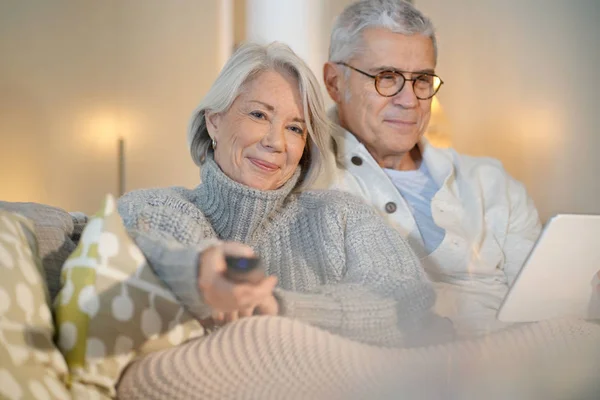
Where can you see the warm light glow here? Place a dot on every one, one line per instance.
(100, 129)
(541, 129)
(438, 132)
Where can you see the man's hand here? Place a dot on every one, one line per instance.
(231, 301)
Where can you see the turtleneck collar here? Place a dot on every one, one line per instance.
(236, 211)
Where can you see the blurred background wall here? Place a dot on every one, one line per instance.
(77, 75)
(522, 85)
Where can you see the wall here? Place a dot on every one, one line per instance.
(57, 65)
(169, 52)
(304, 25)
(521, 85)
(75, 75)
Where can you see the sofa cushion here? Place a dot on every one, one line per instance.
(112, 306)
(31, 366)
(55, 230)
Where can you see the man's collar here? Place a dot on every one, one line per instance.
(345, 142)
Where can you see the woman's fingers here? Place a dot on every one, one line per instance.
(246, 312)
(225, 296)
(218, 318)
(212, 260)
(231, 316)
(269, 306)
(264, 288)
(222, 294)
(237, 249)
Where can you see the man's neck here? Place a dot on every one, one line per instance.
(408, 161)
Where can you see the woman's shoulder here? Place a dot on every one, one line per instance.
(334, 200)
(158, 196)
(175, 198)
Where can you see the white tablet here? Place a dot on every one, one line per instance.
(558, 278)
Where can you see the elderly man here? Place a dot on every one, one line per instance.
(471, 224)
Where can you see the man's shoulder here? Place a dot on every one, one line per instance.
(487, 173)
(337, 177)
(468, 165)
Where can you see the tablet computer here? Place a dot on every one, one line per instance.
(559, 277)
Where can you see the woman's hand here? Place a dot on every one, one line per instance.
(269, 306)
(231, 301)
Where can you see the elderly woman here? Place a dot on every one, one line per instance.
(331, 264)
(259, 137)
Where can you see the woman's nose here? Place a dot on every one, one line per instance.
(274, 139)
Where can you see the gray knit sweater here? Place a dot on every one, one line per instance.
(339, 266)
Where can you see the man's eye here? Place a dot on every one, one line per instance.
(425, 79)
(258, 114)
(387, 77)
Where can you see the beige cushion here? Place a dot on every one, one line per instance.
(55, 230)
(31, 367)
(112, 307)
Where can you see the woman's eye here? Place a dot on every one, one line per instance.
(297, 130)
(258, 114)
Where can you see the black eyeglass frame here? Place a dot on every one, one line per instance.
(401, 73)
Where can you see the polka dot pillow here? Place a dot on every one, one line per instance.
(31, 367)
(112, 307)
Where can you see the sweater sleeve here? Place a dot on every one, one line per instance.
(171, 241)
(384, 297)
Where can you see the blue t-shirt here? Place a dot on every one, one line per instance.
(417, 187)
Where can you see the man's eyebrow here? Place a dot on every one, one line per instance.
(271, 108)
(383, 68)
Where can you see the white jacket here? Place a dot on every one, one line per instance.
(491, 225)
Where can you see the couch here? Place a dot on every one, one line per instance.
(66, 272)
(78, 302)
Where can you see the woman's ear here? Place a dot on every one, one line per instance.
(332, 76)
(212, 123)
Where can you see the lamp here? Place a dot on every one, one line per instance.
(121, 166)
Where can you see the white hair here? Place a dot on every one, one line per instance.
(398, 16)
(246, 64)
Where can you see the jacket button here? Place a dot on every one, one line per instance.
(356, 160)
(390, 207)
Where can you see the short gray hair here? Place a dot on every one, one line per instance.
(249, 61)
(398, 16)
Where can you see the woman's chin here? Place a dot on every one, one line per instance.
(259, 182)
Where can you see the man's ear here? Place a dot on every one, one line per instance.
(213, 120)
(332, 76)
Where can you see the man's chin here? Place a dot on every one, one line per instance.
(402, 141)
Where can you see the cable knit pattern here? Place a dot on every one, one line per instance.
(279, 358)
(339, 266)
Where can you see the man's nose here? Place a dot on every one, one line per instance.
(406, 98)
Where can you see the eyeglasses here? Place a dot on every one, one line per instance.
(390, 83)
